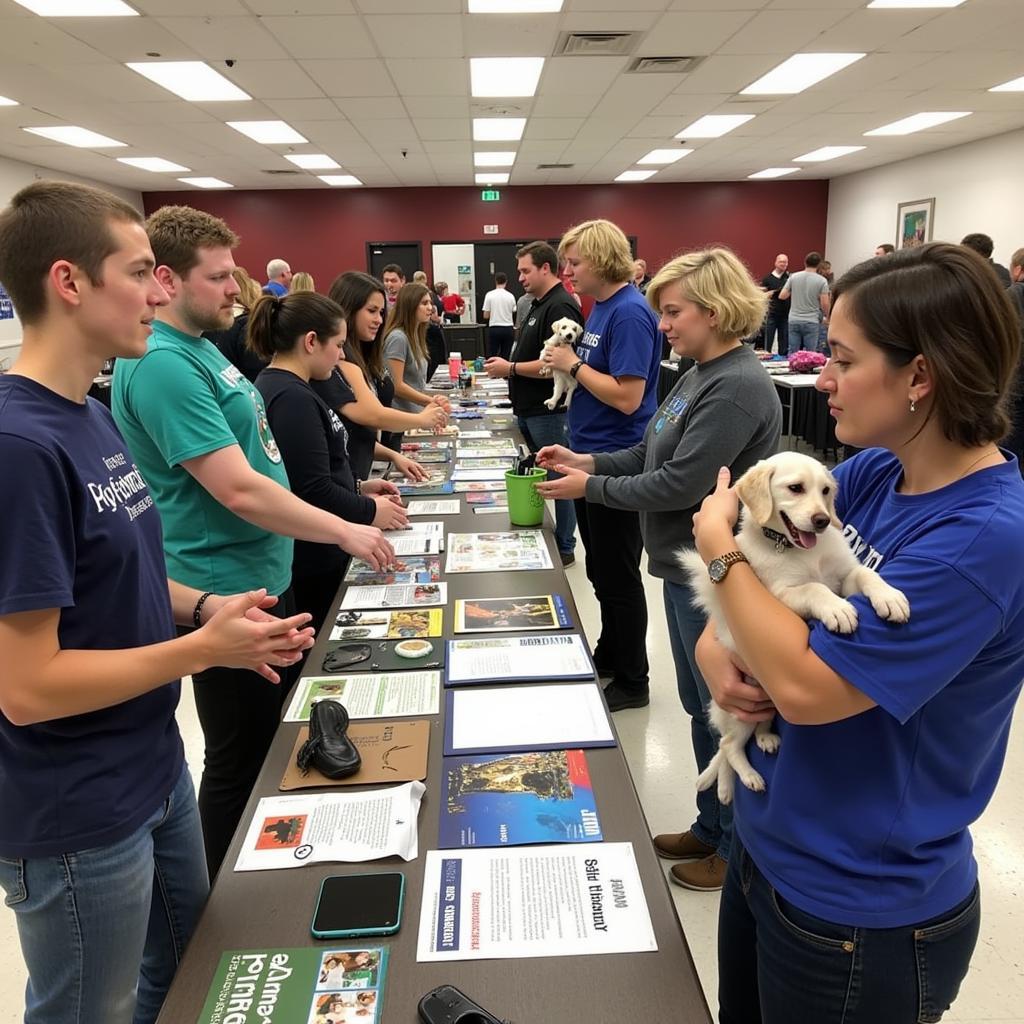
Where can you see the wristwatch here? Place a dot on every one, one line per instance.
(573, 370)
(719, 567)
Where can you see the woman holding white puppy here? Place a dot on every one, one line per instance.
(724, 411)
(852, 891)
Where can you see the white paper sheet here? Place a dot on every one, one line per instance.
(366, 695)
(533, 901)
(503, 658)
(417, 539)
(402, 595)
(289, 831)
(434, 508)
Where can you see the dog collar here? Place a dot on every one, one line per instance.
(781, 540)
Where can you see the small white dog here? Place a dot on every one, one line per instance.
(791, 537)
(563, 332)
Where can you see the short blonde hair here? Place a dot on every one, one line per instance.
(604, 246)
(302, 282)
(717, 280)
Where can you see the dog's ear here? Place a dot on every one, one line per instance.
(833, 490)
(755, 491)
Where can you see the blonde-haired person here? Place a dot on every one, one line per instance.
(723, 412)
(301, 282)
(615, 364)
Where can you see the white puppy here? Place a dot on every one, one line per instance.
(791, 537)
(563, 332)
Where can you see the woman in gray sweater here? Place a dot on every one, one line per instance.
(723, 412)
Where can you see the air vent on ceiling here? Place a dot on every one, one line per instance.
(280, 171)
(662, 65)
(596, 44)
(554, 167)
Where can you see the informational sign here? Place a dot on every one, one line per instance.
(490, 195)
(490, 229)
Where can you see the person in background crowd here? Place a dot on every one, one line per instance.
(723, 412)
(405, 347)
(809, 293)
(198, 431)
(361, 389)
(983, 246)
(279, 276)
(777, 321)
(393, 277)
(615, 365)
(301, 335)
(885, 249)
(825, 270)
(453, 303)
(101, 854)
(853, 894)
(231, 342)
(500, 316)
(640, 276)
(437, 351)
(302, 282)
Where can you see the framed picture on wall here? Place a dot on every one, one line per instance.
(914, 223)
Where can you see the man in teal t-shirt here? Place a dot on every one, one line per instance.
(199, 434)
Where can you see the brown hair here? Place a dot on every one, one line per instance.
(277, 322)
(49, 221)
(1017, 259)
(250, 291)
(403, 318)
(177, 233)
(942, 302)
(540, 253)
(352, 291)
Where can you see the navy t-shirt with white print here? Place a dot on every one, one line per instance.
(80, 533)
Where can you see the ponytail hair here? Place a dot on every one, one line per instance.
(276, 323)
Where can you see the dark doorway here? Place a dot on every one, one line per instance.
(408, 255)
(490, 258)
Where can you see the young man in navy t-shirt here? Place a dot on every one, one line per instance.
(101, 855)
(615, 364)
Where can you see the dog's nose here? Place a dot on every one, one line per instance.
(820, 521)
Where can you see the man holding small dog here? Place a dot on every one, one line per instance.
(527, 389)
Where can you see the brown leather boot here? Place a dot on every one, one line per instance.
(681, 846)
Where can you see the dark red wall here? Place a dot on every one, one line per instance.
(325, 232)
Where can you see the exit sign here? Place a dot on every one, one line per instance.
(490, 195)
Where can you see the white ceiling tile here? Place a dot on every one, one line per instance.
(696, 33)
(657, 128)
(439, 35)
(124, 39)
(423, 76)
(166, 8)
(785, 30)
(635, 94)
(219, 39)
(303, 110)
(443, 128)
(329, 133)
(273, 79)
(372, 107)
(36, 41)
(397, 130)
(510, 35)
(437, 107)
(553, 127)
(635, 19)
(727, 74)
(679, 105)
(351, 77)
(315, 38)
(409, 6)
(573, 76)
(564, 105)
(448, 149)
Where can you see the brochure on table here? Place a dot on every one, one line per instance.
(511, 718)
(411, 569)
(385, 625)
(417, 538)
(369, 694)
(507, 614)
(535, 902)
(497, 552)
(406, 595)
(461, 486)
(497, 659)
(336, 984)
(540, 796)
(434, 508)
(289, 831)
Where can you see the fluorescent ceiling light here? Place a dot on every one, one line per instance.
(79, 8)
(514, 6)
(1017, 85)
(492, 178)
(800, 72)
(72, 135)
(504, 76)
(267, 132)
(313, 161)
(207, 182)
(340, 180)
(664, 156)
(713, 126)
(505, 158)
(774, 172)
(634, 175)
(5, 102)
(918, 122)
(826, 153)
(498, 129)
(191, 80)
(151, 163)
(915, 3)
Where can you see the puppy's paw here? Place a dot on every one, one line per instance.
(551, 403)
(752, 780)
(839, 616)
(889, 603)
(769, 742)
(725, 790)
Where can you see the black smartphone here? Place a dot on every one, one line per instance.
(350, 906)
(447, 1005)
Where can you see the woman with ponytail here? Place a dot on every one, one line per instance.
(302, 334)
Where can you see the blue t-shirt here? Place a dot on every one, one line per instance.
(620, 339)
(80, 533)
(275, 288)
(865, 821)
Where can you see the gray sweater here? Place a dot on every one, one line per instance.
(724, 412)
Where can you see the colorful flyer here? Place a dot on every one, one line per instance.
(369, 695)
(385, 625)
(410, 569)
(506, 614)
(498, 552)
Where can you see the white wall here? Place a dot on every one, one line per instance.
(976, 187)
(14, 176)
(446, 261)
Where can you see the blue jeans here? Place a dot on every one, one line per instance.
(803, 336)
(685, 625)
(540, 431)
(778, 325)
(777, 964)
(102, 931)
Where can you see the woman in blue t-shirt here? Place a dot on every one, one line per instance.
(852, 892)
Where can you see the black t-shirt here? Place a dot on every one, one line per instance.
(528, 394)
(336, 394)
(778, 307)
(232, 346)
(312, 440)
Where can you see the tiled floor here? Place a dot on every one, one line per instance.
(657, 745)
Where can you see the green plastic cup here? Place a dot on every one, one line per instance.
(525, 505)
